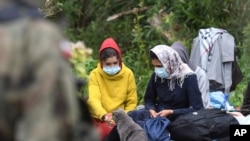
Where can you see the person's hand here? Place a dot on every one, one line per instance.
(152, 113)
(108, 118)
(165, 113)
(236, 114)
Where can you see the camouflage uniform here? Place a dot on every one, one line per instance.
(38, 99)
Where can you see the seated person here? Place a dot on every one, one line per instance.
(111, 85)
(172, 89)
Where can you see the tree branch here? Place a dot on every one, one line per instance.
(134, 10)
(156, 22)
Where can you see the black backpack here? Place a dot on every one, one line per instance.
(202, 125)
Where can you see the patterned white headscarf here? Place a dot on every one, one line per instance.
(173, 64)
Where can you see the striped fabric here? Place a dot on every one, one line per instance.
(207, 39)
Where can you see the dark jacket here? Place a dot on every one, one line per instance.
(181, 100)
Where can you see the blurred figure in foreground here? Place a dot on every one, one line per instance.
(38, 99)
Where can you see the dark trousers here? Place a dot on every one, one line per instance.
(113, 135)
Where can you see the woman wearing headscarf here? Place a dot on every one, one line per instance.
(172, 89)
(111, 85)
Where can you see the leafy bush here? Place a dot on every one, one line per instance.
(87, 21)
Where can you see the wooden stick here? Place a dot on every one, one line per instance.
(134, 10)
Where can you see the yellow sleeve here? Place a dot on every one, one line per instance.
(131, 100)
(94, 100)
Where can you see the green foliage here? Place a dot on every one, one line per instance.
(90, 64)
(185, 18)
(181, 19)
(245, 48)
(237, 96)
(81, 62)
(140, 69)
(144, 37)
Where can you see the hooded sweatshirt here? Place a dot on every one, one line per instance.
(109, 92)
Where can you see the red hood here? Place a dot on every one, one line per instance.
(110, 43)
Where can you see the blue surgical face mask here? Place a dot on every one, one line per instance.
(161, 72)
(111, 70)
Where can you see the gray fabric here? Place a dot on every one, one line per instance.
(127, 129)
(200, 73)
(203, 86)
(220, 69)
(195, 52)
(183, 52)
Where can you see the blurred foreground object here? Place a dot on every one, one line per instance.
(80, 55)
(38, 99)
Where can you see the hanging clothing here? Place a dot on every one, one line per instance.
(207, 39)
(219, 61)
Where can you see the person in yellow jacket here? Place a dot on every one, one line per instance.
(111, 86)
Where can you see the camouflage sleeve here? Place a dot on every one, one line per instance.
(51, 105)
(38, 81)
